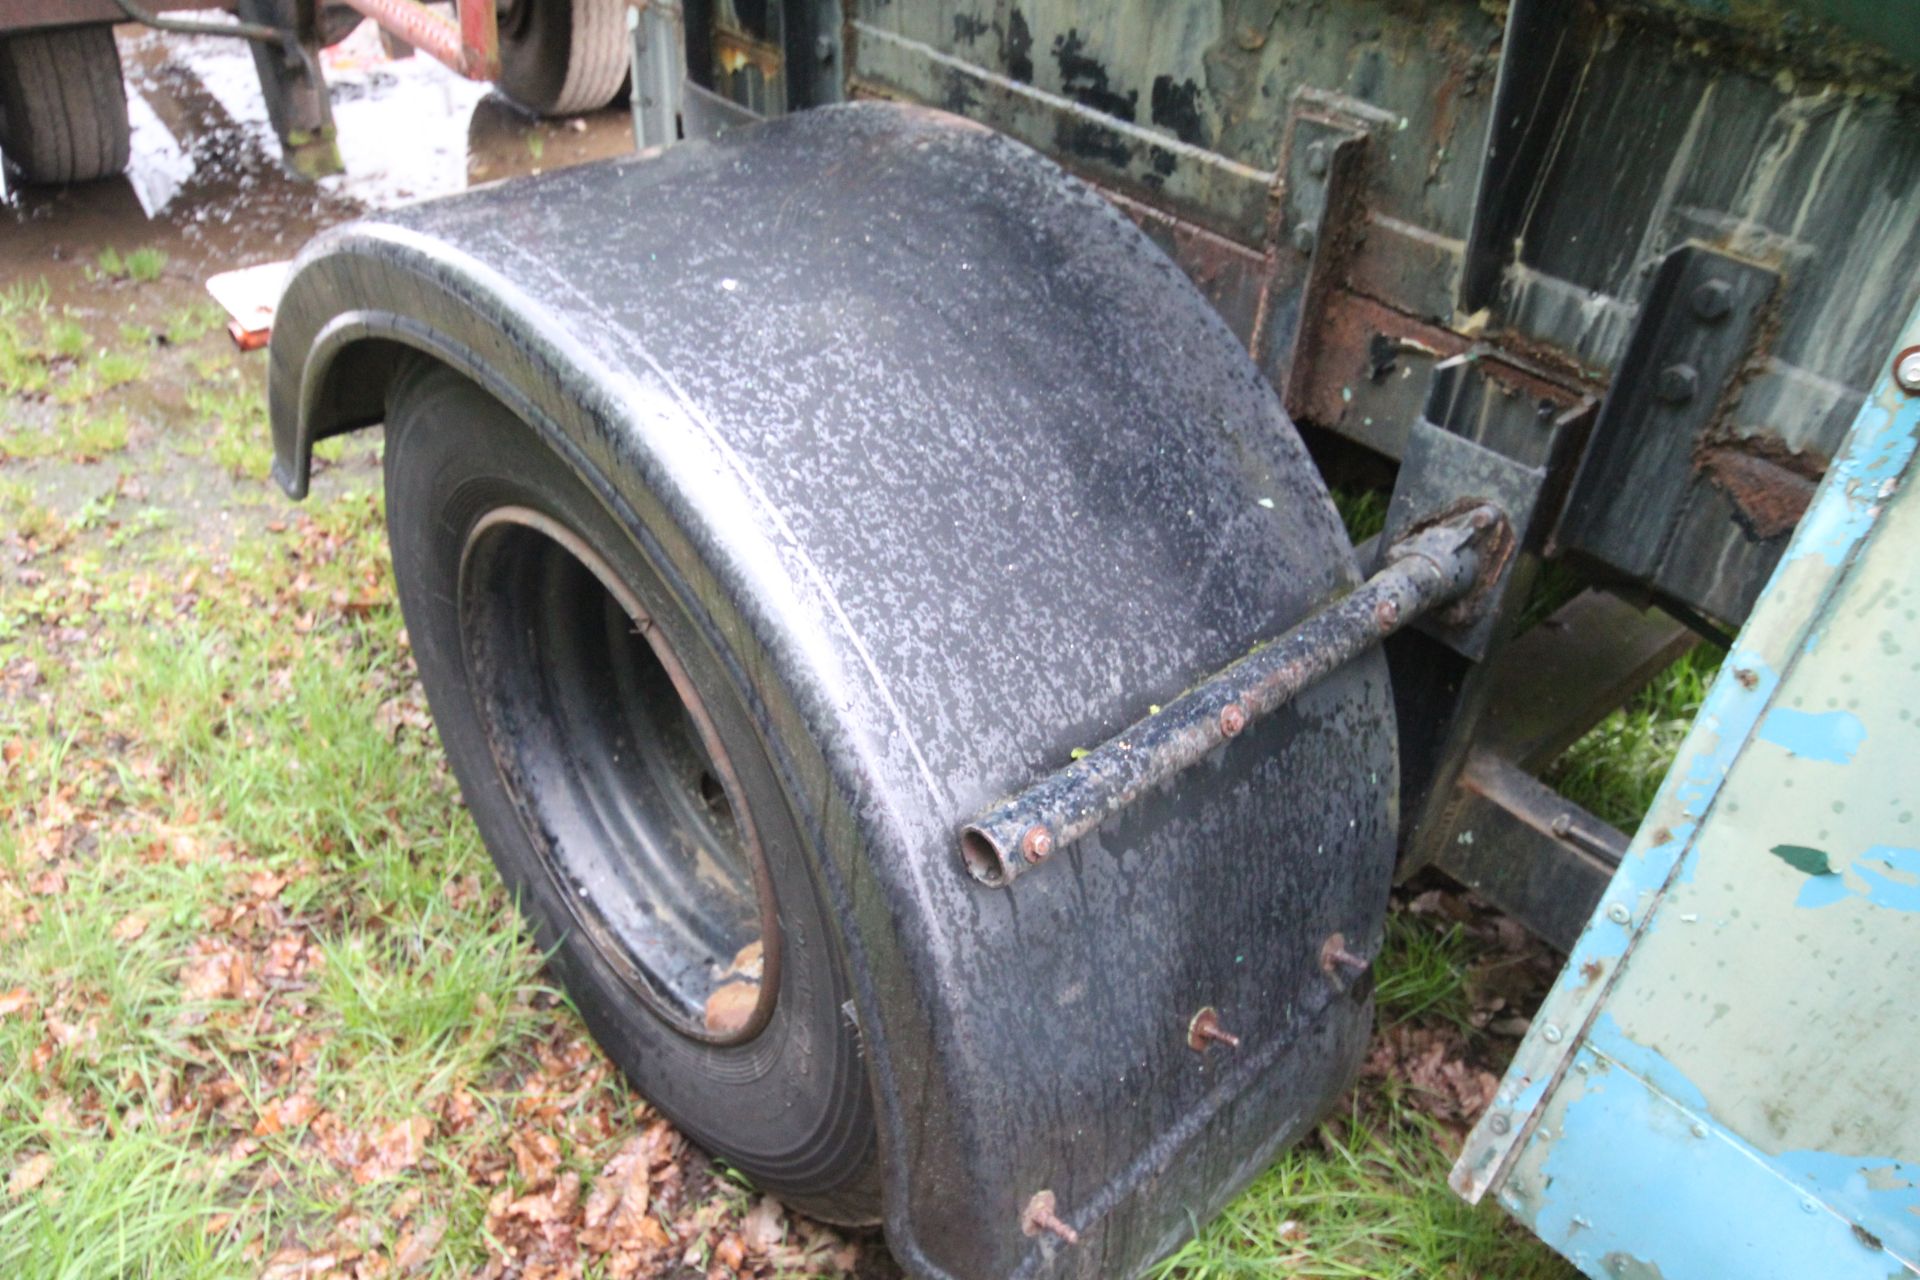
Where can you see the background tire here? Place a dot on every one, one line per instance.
(563, 57)
(523, 721)
(63, 105)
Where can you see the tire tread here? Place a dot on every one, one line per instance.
(64, 104)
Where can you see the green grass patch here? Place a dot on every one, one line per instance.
(1617, 768)
(1367, 1196)
(141, 266)
(1363, 511)
(77, 435)
(1422, 973)
(191, 323)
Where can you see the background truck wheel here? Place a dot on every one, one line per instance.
(63, 106)
(562, 57)
(619, 779)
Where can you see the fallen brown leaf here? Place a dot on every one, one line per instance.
(764, 1225)
(399, 1146)
(285, 1113)
(536, 1155)
(218, 971)
(29, 1174)
(298, 1264)
(416, 1244)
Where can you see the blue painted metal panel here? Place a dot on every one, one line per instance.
(1720, 1082)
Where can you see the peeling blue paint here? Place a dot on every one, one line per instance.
(1622, 1165)
(1868, 1189)
(1878, 449)
(1693, 1204)
(1832, 736)
(1896, 888)
(1879, 1191)
(1733, 705)
(1608, 1037)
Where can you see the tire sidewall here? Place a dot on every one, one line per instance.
(790, 1106)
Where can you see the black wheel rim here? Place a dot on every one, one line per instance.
(620, 777)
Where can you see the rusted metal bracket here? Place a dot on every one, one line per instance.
(1323, 216)
(1438, 562)
(1655, 456)
(1490, 432)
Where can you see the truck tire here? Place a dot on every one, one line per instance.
(563, 57)
(614, 767)
(63, 105)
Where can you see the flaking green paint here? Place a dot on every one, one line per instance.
(1801, 858)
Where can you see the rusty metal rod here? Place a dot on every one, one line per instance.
(1427, 570)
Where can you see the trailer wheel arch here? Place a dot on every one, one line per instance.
(975, 1078)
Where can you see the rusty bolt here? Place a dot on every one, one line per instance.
(1677, 383)
(1205, 1029)
(1039, 1216)
(1385, 614)
(1712, 300)
(1906, 370)
(1338, 962)
(1317, 159)
(1233, 718)
(1037, 844)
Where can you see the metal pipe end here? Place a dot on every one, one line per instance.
(984, 859)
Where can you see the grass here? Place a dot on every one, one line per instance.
(1615, 770)
(249, 900)
(1423, 973)
(262, 1001)
(142, 266)
(1367, 1196)
(260, 996)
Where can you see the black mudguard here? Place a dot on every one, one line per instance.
(981, 479)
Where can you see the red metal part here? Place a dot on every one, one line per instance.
(471, 46)
(480, 34)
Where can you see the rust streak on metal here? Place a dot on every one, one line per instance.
(734, 49)
(1768, 484)
(1352, 330)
